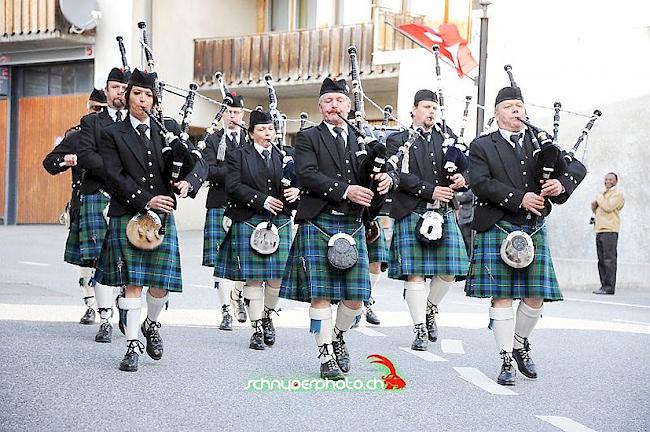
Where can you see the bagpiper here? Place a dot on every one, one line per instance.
(63, 157)
(422, 206)
(218, 145)
(328, 261)
(140, 175)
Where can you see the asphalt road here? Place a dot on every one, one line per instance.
(592, 353)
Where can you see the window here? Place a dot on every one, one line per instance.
(58, 79)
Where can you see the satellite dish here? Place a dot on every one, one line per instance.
(82, 14)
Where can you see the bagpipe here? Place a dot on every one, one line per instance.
(148, 54)
(455, 159)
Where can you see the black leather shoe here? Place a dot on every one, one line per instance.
(257, 338)
(226, 322)
(88, 318)
(508, 373)
(341, 352)
(269, 331)
(371, 316)
(525, 364)
(104, 333)
(329, 369)
(432, 327)
(603, 292)
(130, 361)
(154, 341)
(238, 306)
(421, 342)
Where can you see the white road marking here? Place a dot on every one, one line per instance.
(200, 286)
(633, 322)
(452, 346)
(33, 263)
(424, 355)
(565, 423)
(479, 379)
(369, 332)
(608, 303)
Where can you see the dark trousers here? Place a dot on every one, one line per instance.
(606, 248)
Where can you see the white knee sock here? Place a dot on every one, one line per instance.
(104, 295)
(527, 318)
(374, 278)
(238, 287)
(321, 327)
(271, 297)
(87, 286)
(223, 287)
(155, 305)
(132, 306)
(254, 294)
(416, 299)
(503, 327)
(345, 317)
(438, 288)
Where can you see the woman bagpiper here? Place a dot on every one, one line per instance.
(140, 177)
(256, 247)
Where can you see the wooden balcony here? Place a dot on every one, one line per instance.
(36, 24)
(299, 57)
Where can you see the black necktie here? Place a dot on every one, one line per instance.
(515, 137)
(340, 141)
(142, 130)
(233, 137)
(267, 158)
(118, 116)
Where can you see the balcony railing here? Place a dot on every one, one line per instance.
(302, 56)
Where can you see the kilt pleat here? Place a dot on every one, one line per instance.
(213, 235)
(409, 256)
(71, 254)
(92, 226)
(122, 264)
(490, 276)
(237, 261)
(309, 274)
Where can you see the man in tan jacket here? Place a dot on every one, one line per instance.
(607, 208)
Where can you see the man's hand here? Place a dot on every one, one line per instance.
(551, 187)
(359, 195)
(183, 188)
(384, 183)
(273, 205)
(70, 160)
(594, 206)
(533, 203)
(163, 203)
(443, 194)
(458, 181)
(291, 194)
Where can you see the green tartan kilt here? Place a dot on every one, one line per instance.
(71, 254)
(122, 264)
(213, 235)
(309, 274)
(490, 276)
(409, 256)
(378, 250)
(237, 261)
(92, 226)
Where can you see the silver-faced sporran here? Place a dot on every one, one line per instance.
(342, 251)
(518, 250)
(265, 238)
(429, 228)
(143, 231)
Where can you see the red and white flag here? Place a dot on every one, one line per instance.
(447, 38)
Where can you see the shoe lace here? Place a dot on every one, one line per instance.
(324, 351)
(523, 352)
(258, 325)
(268, 311)
(105, 326)
(225, 309)
(338, 343)
(507, 359)
(133, 345)
(152, 329)
(421, 331)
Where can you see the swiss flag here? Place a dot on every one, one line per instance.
(448, 39)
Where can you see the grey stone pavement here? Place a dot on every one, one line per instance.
(593, 354)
